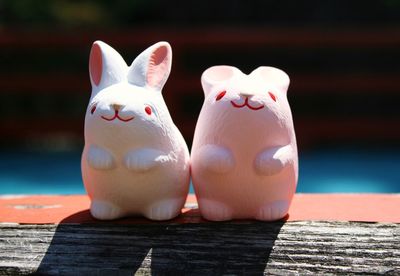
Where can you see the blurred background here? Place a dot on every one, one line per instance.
(343, 58)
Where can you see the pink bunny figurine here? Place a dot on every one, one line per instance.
(135, 160)
(244, 154)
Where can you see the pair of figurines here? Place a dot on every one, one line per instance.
(243, 162)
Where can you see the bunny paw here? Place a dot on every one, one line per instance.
(216, 158)
(164, 210)
(214, 211)
(274, 211)
(142, 160)
(274, 160)
(104, 210)
(99, 158)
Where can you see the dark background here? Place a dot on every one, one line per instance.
(343, 58)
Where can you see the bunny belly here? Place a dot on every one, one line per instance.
(132, 191)
(242, 190)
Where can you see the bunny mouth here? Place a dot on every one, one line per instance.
(116, 116)
(246, 103)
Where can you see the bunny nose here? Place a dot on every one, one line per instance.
(245, 94)
(117, 107)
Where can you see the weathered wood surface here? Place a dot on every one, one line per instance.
(201, 249)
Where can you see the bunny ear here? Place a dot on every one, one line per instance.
(217, 75)
(273, 75)
(152, 67)
(106, 66)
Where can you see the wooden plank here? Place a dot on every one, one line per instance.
(235, 248)
(47, 209)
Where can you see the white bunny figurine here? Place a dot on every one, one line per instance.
(244, 155)
(135, 160)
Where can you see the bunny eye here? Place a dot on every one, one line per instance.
(220, 95)
(93, 109)
(273, 97)
(148, 110)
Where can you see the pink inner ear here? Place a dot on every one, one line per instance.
(158, 66)
(95, 64)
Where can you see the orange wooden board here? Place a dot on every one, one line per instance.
(43, 209)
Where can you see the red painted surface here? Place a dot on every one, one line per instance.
(93, 109)
(330, 207)
(148, 110)
(116, 116)
(220, 95)
(246, 103)
(273, 97)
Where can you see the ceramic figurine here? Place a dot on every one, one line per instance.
(135, 161)
(244, 155)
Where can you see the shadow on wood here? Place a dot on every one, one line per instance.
(159, 248)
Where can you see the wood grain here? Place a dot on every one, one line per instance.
(236, 248)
